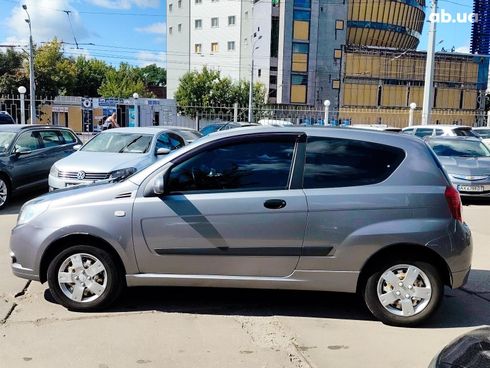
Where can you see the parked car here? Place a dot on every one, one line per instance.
(114, 153)
(218, 127)
(6, 118)
(484, 134)
(467, 161)
(294, 208)
(471, 350)
(422, 131)
(378, 127)
(27, 153)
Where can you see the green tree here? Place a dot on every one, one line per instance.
(90, 74)
(12, 72)
(154, 75)
(123, 82)
(55, 74)
(207, 91)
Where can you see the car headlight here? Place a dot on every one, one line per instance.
(122, 173)
(54, 171)
(31, 210)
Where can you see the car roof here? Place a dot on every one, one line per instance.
(141, 130)
(440, 127)
(19, 127)
(450, 138)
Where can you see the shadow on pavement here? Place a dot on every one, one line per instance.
(476, 201)
(460, 308)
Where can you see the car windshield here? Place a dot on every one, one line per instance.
(6, 139)
(119, 143)
(211, 129)
(484, 133)
(455, 148)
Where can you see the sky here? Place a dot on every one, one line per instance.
(133, 31)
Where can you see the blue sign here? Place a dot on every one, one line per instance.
(132, 117)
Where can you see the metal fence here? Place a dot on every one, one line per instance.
(12, 104)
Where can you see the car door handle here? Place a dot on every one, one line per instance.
(275, 204)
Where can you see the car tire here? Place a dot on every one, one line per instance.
(85, 278)
(5, 192)
(403, 293)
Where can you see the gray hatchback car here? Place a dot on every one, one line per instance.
(296, 208)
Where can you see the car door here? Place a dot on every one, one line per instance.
(26, 160)
(54, 148)
(228, 210)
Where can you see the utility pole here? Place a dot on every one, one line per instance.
(428, 102)
(251, 91)
(32, 89)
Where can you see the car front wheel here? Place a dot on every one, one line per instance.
(84, 278)
(4, 192)
(403, 293)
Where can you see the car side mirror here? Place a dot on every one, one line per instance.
(163, 151)
(22, 151)
(159, 185)
(77, 147)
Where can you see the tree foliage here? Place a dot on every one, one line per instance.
(208, 90)
(57, 74)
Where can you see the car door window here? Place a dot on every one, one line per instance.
(28, 141)
(163, 141)
(176, 141)
(50, 138)
(68, 136)
(439, 132)
(408, 131)
(424, 132)
(333, 162)
(258, 165)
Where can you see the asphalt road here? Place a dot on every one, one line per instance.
(180, 327)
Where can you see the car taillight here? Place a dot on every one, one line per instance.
(454, 201)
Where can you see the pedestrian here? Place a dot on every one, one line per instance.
(110, 122)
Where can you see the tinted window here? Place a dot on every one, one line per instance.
(6, 119)
(332, 162)
(50, 138)
(465, 133)
(27, 142)
(262, 165)
(69, 137)
(169, 141)
(211, 129)
(423, 132)
(176, 141)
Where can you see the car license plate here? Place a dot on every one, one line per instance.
(471, 188)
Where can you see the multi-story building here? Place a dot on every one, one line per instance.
(480, 36)
(304, 50)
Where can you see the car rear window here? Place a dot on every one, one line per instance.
(334, 162)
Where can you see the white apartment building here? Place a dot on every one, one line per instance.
(210, 33)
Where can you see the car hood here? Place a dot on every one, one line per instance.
(102, 162)
(475, 166)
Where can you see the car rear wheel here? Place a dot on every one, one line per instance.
(403, 293)
(84, 278)
(4, 192)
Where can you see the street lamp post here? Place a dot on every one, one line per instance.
(413, 106)
(327, 110)
(32, 89)
(251, 89)
(429, 69)
(22, 90)
(136, 112)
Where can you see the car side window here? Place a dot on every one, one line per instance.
(259, 165)
(50, 138)
(335, 163)
(28, 141)
(163, 141)
(424, 132)
(176, 141)
(68, 137)
(439, 132)
(408, 131)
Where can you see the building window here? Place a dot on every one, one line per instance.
(179, 4)
(170, 30)
(337, 54)
(301, 25)
(231, 20)
(336, 84)
(300, 57)
(179, 27)
(170, 7)
(273, 79)
(214, 47)
(231, 45)
(214, 22)
(299, 85)
(339, 25)
(198, 24)
(302, 3)
(198, 48)
(197, 1)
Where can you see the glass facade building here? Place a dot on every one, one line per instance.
(480, 37)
